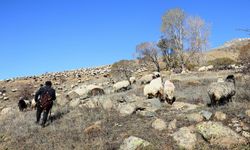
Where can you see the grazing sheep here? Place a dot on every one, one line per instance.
(23, 104)
(222, 92)
(148, 78)
(169, 89)
(154, 89)
(132, 80)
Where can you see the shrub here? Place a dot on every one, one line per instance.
(221, 63)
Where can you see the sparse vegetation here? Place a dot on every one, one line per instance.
(221, 63)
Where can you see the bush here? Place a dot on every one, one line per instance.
(221, 63)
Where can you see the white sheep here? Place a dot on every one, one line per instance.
(154, 89)
(222, 92)
(169, 89)
(121, 86)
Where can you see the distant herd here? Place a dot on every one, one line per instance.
(220, 92)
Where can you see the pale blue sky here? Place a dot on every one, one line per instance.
(38, 36)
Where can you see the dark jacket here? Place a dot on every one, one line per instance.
(43, 90)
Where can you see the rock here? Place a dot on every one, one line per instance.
(14, 90)
(146, 113)
(135, 143)
(126, 109)
(121, 86)
(245, 128)
(152, 104)
(132, 80)
(217, 134)
(172, 125)
(183, 106)
(159, 124)
(95, 128)
(220, 116)
(6, 111)
(194, 117)
(234, 120)
(206, 114)
(246, 134)
(185, 138)
(247, 112)
(61, 101)
(72, 95)
(5, 98)
(94, 90)
(238, 129)
(74, 103)
(107, 104)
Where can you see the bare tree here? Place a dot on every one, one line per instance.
(149, 52)
(168, 56)
(173, 28)
(122, 69)
(186, 36)
(197, 32)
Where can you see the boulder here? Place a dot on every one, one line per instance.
(126, 109)
(74, 103)
(135, 143)
(72, 95)
(194, 117)
(172, 125)
(206, 114)
(107, 104)
(132, 80)
(183, 106)
(220, 116)
(246, 134)
(247, 112)
(218, 134)
(159, 124)
(94, 90)
(185, 138)
(121, 86)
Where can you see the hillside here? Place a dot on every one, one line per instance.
(123, 117)
(229, 49)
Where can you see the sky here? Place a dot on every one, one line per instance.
(38, 36)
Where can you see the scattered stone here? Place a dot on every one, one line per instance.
(185, 138)
(172, 125)
(195, 117)
(217, 134)
(126, 109)
(206, 114)
(159, 124)
(14, 90)
(72, 95)
(245, 128)
(74, 103)
(146, 79)
(238, 129)
(220, 116)
(146, 113)
(183, 106)
(247, 112)
(95, 128)
(135, 143)
(236, 125)
(107, 104)
(234, 120)
(94, 90)
(246, 134)
(121, 86)
(5, 98)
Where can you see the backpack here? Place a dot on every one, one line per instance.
(46, 100)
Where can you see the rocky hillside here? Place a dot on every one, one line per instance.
(229, 49)
(94, 111)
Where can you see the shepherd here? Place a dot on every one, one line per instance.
(44, 98)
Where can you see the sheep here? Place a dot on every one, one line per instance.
(154, 89)
(169, 89)
(23, 104)
(222, 92)
(148, 78)
(121, 86)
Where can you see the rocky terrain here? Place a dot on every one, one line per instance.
(94, 111)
